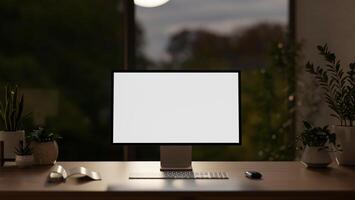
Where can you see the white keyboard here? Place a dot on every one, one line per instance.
(180, 175)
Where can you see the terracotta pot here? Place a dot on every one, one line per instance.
(316, 157)
(24, 161)
(346, 138)
(45, 153)
(11, 140)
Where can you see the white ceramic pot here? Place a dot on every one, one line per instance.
(346, 138)
(24, 161)
(316, 157)
(45, 153)
(11, 140)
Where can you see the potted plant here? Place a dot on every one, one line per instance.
(316, 143)
(44, 146)
(24, 157)
(11, 110)
(339, 90)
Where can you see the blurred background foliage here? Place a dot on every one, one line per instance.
(266, 56)
(70, 47)
(61, 53)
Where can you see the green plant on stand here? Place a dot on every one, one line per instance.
(316, 143)
(320, 137)
(338, 84)
(42, 135)
(11, 117)
(45, 147)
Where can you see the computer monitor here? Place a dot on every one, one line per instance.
(174, 109)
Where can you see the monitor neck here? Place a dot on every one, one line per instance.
(175, 158)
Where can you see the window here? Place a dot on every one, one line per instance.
(222, 35)
(61, 54)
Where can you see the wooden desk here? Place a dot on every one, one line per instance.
(281, 180)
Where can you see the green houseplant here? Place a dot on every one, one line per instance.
(44, 145)
(24, 157)
(316, 143)
(338, 84)
(11, 115)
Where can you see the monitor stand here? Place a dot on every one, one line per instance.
(175, 158)
(175, 163)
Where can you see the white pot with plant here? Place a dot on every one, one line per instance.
(317, 142)
(11, 110)
(24, 157)
(339, 90)
(44, 146)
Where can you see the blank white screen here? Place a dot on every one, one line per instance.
(176, 107)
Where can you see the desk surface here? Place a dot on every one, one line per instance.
(277, 177)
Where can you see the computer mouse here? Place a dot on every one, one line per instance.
(253, 174)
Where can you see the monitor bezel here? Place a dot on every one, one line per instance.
(177, 71)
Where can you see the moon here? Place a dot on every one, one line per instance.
(150, 3)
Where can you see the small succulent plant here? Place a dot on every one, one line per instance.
(23, 150)
(43, 135)
(11, 109)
